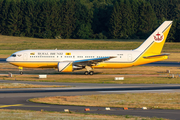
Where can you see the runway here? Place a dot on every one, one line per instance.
(18, 98)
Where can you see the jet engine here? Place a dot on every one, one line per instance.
(65, 67)
(68, 67)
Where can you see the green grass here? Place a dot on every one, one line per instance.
(11, 44)
(21, 85)
(100, 79)
(132, 75)
(130, 100)
(7, 52)
(44, 115)
(22, 43)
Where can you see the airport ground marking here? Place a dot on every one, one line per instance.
(33, 106)
(4, 106)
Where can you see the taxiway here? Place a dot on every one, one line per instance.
(18, 98)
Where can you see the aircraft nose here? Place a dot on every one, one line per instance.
(8, 59)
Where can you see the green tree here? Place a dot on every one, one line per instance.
(28, 20)
(127, 16)
(177, 35)
(4, 16)
(102, 13)
(135, 18)
(83, 17)
(15, 18)
(1, 16)
(85, 31)
(115, 23)
(147, 19)
(68, 19)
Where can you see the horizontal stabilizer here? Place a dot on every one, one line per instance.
(153, 56)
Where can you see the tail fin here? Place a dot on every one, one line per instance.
(155, 42)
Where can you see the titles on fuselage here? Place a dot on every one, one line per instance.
(46, 53)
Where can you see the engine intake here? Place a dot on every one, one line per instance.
(65, 67)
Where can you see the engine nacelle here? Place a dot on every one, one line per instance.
(77, 67)
(65, 67)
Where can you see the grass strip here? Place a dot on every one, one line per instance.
(22, 43)
(101, 79)
(131, 100)
(133, 75)
(44, 115)
(21, 85)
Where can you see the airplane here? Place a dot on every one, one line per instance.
(71, 60)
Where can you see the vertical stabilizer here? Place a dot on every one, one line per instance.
(155, 42)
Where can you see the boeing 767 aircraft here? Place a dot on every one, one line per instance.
(70, 60)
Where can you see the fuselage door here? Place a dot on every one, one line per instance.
(25, 56)
(129, 57)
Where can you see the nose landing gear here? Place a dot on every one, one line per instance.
(20, 70)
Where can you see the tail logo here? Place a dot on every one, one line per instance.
(158, 37)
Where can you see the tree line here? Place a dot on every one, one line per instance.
(88, 19)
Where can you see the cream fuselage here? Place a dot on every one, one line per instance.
(50, 58)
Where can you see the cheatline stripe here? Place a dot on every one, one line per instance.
(143, 51)
(134, 60)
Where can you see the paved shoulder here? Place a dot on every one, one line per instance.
(2, 59)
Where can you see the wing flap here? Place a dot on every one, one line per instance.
(91, 62)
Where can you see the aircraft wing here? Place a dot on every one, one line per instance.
(91, 62)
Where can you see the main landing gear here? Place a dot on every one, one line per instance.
(89, 72)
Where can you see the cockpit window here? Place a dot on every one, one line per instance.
(13, 55)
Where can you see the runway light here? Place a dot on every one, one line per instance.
(10, 74)
(125, 108)
(42, 76)
(107, 108)
(119, 78)
(86, 109)
(168, 71)
(42, 110)
(144, 108)
(66, 110)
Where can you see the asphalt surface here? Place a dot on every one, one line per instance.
(2, 59)
(18, 98)
(163, 63)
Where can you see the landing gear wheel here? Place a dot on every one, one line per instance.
(91, 72)
(21, 72)
(86, 72)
